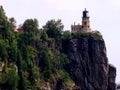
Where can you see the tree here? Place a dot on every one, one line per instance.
(59, 60)
(54, 28)
(44, 36)
(9, 78)
(31, 31)
(6, 26)
(67, 35)
(13, 78)
(3, 23)
(2, 13)
(30, 27)
(12, 21)
(21, 68)
(46, 65)
(3, 50)
(13, 51)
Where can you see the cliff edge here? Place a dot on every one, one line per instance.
(88, 63)
(52, 59)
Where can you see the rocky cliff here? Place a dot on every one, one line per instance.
(75, 63)
(52, 59)
(88, 63)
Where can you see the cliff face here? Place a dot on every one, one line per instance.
(111, 78)
(76, 63)
(51, 59)
(88, 64)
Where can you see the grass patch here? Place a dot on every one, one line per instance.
(95, 34)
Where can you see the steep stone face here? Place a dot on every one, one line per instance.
(111, 78)
(88, 64)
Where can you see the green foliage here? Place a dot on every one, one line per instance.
(3, 50)
(22, 65)
(67, 35)
(59, 60)
(34, 52)
(30, 27)
(12, 77)
(95, 34)
(13, 51)
(54, 29)
(23, 82)
(65, 79)
(31, 31)
(19, 61)
(6, 29)
(44, 36)
(9, 78)
(2, 13)
(81, 34)
(46, 65)
(12, 22)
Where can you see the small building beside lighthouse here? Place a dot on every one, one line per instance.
(85, 27)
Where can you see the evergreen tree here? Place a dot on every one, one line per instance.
(31, 32)
(54, 28)
(46, 65)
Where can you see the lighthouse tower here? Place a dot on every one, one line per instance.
(85, 21)
(85, 27)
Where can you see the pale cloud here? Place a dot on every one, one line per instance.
(50, 1)
(115, 3)
(2, 2)
(63, 5)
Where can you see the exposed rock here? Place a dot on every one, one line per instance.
(111, 78)
(118, 87)
(88, 64)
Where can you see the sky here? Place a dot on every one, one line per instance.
(104, 17)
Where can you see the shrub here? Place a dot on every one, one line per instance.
(97, 35)
(59, 60)
(46, 65)
(65, 78)
(9, 78)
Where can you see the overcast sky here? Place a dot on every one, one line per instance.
(104, 17)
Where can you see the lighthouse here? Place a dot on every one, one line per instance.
(85, 27)
(85, 21)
